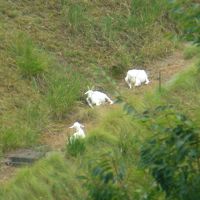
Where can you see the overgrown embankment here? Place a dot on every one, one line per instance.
(51, 51)
(108, 160)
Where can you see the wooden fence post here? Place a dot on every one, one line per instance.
(159, 79)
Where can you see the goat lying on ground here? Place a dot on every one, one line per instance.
(79, 131)
(97, 98)
(136, 76)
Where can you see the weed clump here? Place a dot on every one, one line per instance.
(31, 60)
(63, 91)
(75, 147)
(74, 16)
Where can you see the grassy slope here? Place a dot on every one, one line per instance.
(65, 45)
(45, 44)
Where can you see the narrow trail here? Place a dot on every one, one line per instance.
(56, 134)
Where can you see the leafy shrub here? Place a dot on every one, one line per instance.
(31, 60)
(76, 147)
(172, 154)
(105, 180)
(109, 177)
(128, 145)
(101, 139)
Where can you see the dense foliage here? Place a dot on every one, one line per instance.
(172, 153)
(186, 16)
(106, 179)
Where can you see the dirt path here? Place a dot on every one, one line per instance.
(56, 135)
(6, 172)
(169, 66)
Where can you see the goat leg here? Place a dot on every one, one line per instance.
(89, 103)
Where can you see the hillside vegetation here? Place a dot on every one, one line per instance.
(146, 146)
(50, 52)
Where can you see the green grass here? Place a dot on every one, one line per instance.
(74, 17)
(50, 179)
(23, 128)
(31, 60)
(191, 52)
(75, 147)
(65, 89)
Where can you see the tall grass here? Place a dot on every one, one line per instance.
(75, 147)
(144, 13)
(74, 16)
(106, 25)
(17, 137)
(52, 178)
(23, 128)
(65, 88)
(31, 60)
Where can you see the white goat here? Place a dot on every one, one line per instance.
(97, 98)
(79, 131)
(136, 76)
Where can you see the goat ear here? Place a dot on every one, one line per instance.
(71, 126)
(86, 92)
(82, 126)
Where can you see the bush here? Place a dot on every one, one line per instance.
(109, 177)
(105, 180)
(172, 154)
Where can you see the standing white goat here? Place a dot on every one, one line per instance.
(79, 131)
(136, 76)
(97, 98)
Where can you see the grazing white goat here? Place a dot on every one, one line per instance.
(136, 76)
(79, 131)
(97, 98)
